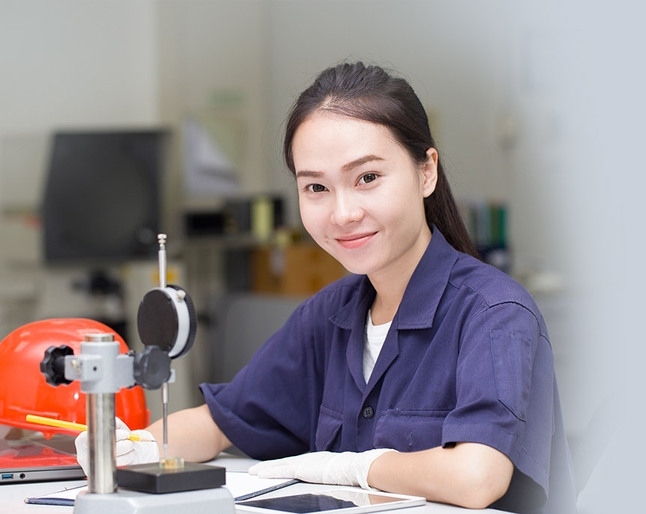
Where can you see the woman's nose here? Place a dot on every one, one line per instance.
(346, 209)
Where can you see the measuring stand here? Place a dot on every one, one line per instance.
(166, 322)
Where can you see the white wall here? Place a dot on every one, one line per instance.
(69, 63)
(64, 67)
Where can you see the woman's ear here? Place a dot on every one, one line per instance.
(429, 172)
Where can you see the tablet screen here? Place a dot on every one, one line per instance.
(342, 499)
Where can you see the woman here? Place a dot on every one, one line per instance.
(424, 371)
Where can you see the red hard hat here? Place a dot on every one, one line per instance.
(24, 390)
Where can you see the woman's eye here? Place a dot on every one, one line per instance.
(368, 177)
(316, 188)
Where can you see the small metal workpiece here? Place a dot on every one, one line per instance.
(174, 463)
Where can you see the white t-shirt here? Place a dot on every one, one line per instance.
(375, 337)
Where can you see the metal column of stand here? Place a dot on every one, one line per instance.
(103, 496)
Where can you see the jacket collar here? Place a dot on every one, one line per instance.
(422, 295)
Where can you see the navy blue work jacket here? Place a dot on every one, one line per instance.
(467, 359)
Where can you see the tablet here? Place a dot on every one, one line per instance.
(338, 500)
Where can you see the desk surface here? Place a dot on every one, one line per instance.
(12, 496)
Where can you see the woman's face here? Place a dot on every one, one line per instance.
(361, 194)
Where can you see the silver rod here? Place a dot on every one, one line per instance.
(102, 478)
(165, 418)
(162, 260)
(162, 283)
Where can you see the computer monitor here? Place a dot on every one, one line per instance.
(102, 197)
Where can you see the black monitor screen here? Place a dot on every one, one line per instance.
(102, 195)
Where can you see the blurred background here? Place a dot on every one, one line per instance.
(537, 110)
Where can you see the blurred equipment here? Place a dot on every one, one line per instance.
(487, 222)
(208, 168)
(102, 199)
(254, 217)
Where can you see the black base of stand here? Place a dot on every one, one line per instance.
(153, 478)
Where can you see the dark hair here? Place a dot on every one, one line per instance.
(369, 93)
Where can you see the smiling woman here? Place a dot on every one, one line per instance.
(425, 371)
(360, 203)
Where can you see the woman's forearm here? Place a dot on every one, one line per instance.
(469, 474)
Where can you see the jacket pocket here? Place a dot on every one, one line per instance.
(408, 431)
(512, 362)
(328, 429)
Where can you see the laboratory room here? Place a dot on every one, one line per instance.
(278, 256)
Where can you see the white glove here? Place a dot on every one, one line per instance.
(347, 468)
(127, 451)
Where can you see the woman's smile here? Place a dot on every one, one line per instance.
(352, 241)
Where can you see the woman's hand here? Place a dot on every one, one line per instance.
(127, 451)
(347, 468)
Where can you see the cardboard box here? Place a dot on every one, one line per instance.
(298, 269)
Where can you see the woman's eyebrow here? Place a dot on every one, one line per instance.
(361, 160)
(346, 167)
(308, 173)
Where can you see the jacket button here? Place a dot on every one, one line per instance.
(368, 412)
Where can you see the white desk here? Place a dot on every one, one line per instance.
(12, 496)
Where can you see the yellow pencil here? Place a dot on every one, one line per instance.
(79, 427)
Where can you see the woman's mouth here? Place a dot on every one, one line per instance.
(354, 240)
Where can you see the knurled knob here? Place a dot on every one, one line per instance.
(53, 364)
